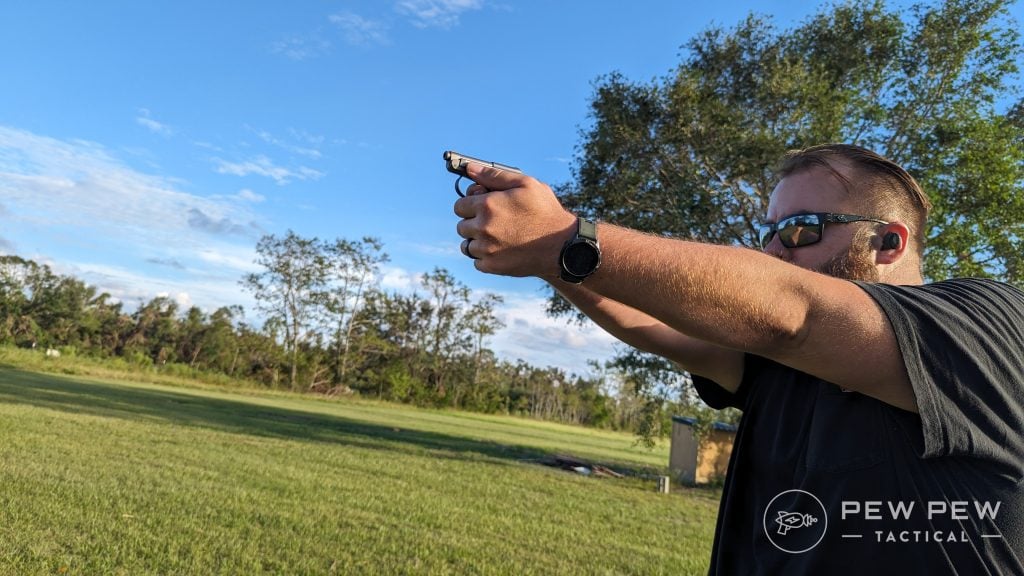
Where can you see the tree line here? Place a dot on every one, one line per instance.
(326, 327)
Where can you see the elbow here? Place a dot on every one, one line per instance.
(782, 331)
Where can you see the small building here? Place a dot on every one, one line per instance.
(695, 463)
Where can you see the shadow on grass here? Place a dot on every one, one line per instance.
(143, 404)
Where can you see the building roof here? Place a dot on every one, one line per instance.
(689, 421)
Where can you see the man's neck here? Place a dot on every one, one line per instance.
(905, 275)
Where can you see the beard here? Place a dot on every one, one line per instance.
(856, 263)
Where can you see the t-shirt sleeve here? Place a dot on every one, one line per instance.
(962, 342)
(717, 397)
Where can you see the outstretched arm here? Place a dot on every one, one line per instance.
(734, 298)
(644, 332)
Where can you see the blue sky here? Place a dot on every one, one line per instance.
(145, 146)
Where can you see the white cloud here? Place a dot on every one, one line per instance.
(436, 13)
(146, 120)
(240, 258)
(79, 183)
(76, 194)
(183, 300)
(199, 220)
(133, 288)
(207, 146)
(299, 48)
(532, 335)
(308, 151)
(243, 196)
(393, 278)
(304, 173)
(263, 166)
(250, 196)
(169, 262)
(303, 136)
(361, 31)
(451, 248)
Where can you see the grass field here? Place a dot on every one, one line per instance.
(117, 477)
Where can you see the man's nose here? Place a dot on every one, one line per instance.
(776, 249)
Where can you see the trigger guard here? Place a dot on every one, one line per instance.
(459, 190)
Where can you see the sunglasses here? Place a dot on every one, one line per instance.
(804, 229)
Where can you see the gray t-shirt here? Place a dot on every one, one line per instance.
(824, 481)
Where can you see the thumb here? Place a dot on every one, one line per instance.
(494, 178)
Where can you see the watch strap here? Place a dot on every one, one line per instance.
(586, 229)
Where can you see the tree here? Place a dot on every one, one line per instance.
(692, 155)
(481, 322)
(352, 266)
(219, 343)
(154, 337)
(17, 325)
(290, 289)
(192, 332)
(398, 325)
(456, 329)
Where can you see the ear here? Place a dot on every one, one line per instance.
(890, 243)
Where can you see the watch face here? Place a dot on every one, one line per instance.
(581, 258)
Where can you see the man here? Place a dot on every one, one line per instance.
(883, 423)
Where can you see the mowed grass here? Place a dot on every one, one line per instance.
(105, 477)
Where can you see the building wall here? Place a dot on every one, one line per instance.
(712, 462)
(683, 454)
(714, 456)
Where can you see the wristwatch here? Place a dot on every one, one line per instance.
(581, 254)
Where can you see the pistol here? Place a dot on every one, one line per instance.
(456, 164)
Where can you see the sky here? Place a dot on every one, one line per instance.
(145, 147)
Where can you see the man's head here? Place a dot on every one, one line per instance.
(839, 182)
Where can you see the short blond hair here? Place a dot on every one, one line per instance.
(883, 185)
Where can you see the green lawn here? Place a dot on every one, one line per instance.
(115, 477)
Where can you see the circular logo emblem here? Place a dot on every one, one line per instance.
(795, 521)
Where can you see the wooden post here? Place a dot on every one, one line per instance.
(663, 484)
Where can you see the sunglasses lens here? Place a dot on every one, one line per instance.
(765, 232)
(800, 230)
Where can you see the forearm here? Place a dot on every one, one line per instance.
(732, 297)
(631, 326)
(644, 332)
